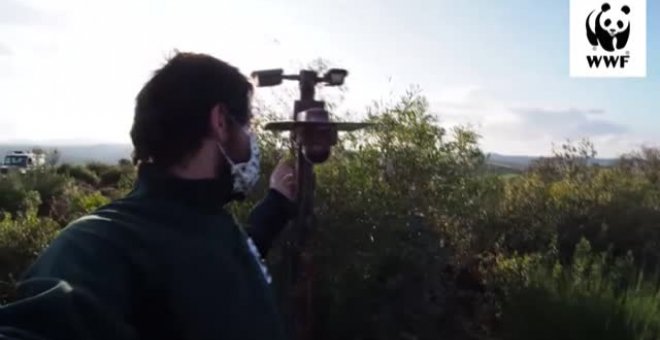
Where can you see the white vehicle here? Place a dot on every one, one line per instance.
(22, 161)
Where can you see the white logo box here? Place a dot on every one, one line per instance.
(591, 61)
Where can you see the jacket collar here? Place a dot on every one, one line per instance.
(206, 195)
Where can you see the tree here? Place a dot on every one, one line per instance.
(125, 163)
(38, 150)
(645, 161)
(53, 158)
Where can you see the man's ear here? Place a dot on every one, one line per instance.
(219, 123)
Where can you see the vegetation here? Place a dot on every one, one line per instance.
(419, 238)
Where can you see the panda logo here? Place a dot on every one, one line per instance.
(610, 25)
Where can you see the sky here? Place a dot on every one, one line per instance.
(70, 69)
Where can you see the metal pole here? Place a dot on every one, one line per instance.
(306, 133)
(313, 135)
(301, 261)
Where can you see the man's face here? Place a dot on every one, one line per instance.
(238, 133)
(232, 135)
(239, 146)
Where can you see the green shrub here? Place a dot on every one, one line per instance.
(386, 203)
(98, 168)
(81, 174)
(126, 183)
(63, 169)
(76, 201)
(12, 194)
(47, 182)
(125, 163)
(596, 296)
(15, 189)
(86, 203)
(21, 240)
(111, 177)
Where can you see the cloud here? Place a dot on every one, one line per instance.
(596, 111)
(5, 50)
(15, 12)
(567, 123)
(532, 130)
(459, 95)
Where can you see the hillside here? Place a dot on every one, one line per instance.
(112, 153)
(80, 154)
(523, 162)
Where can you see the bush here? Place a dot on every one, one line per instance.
(111, 177)
(76, 202)
(22, 238)
(596, 296)
(389, 202)
(81, 174)
(15, 188)
(87, 203)
(48, 183)
(126, 183)
(98, 168)
(12, 194)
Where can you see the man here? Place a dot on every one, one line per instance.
(168, 261)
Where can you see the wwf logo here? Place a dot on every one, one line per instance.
(611, 28)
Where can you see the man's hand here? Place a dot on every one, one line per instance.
(283, 179)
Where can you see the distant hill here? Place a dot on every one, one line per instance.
(112, 153)
(523, 162)
(501, 169)
(513, 162)
(79, 154)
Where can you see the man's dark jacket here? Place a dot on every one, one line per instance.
(165, 262)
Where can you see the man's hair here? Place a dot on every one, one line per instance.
(172, 110)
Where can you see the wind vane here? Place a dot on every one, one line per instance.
(313, 134)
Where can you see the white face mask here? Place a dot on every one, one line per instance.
(245, 174)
